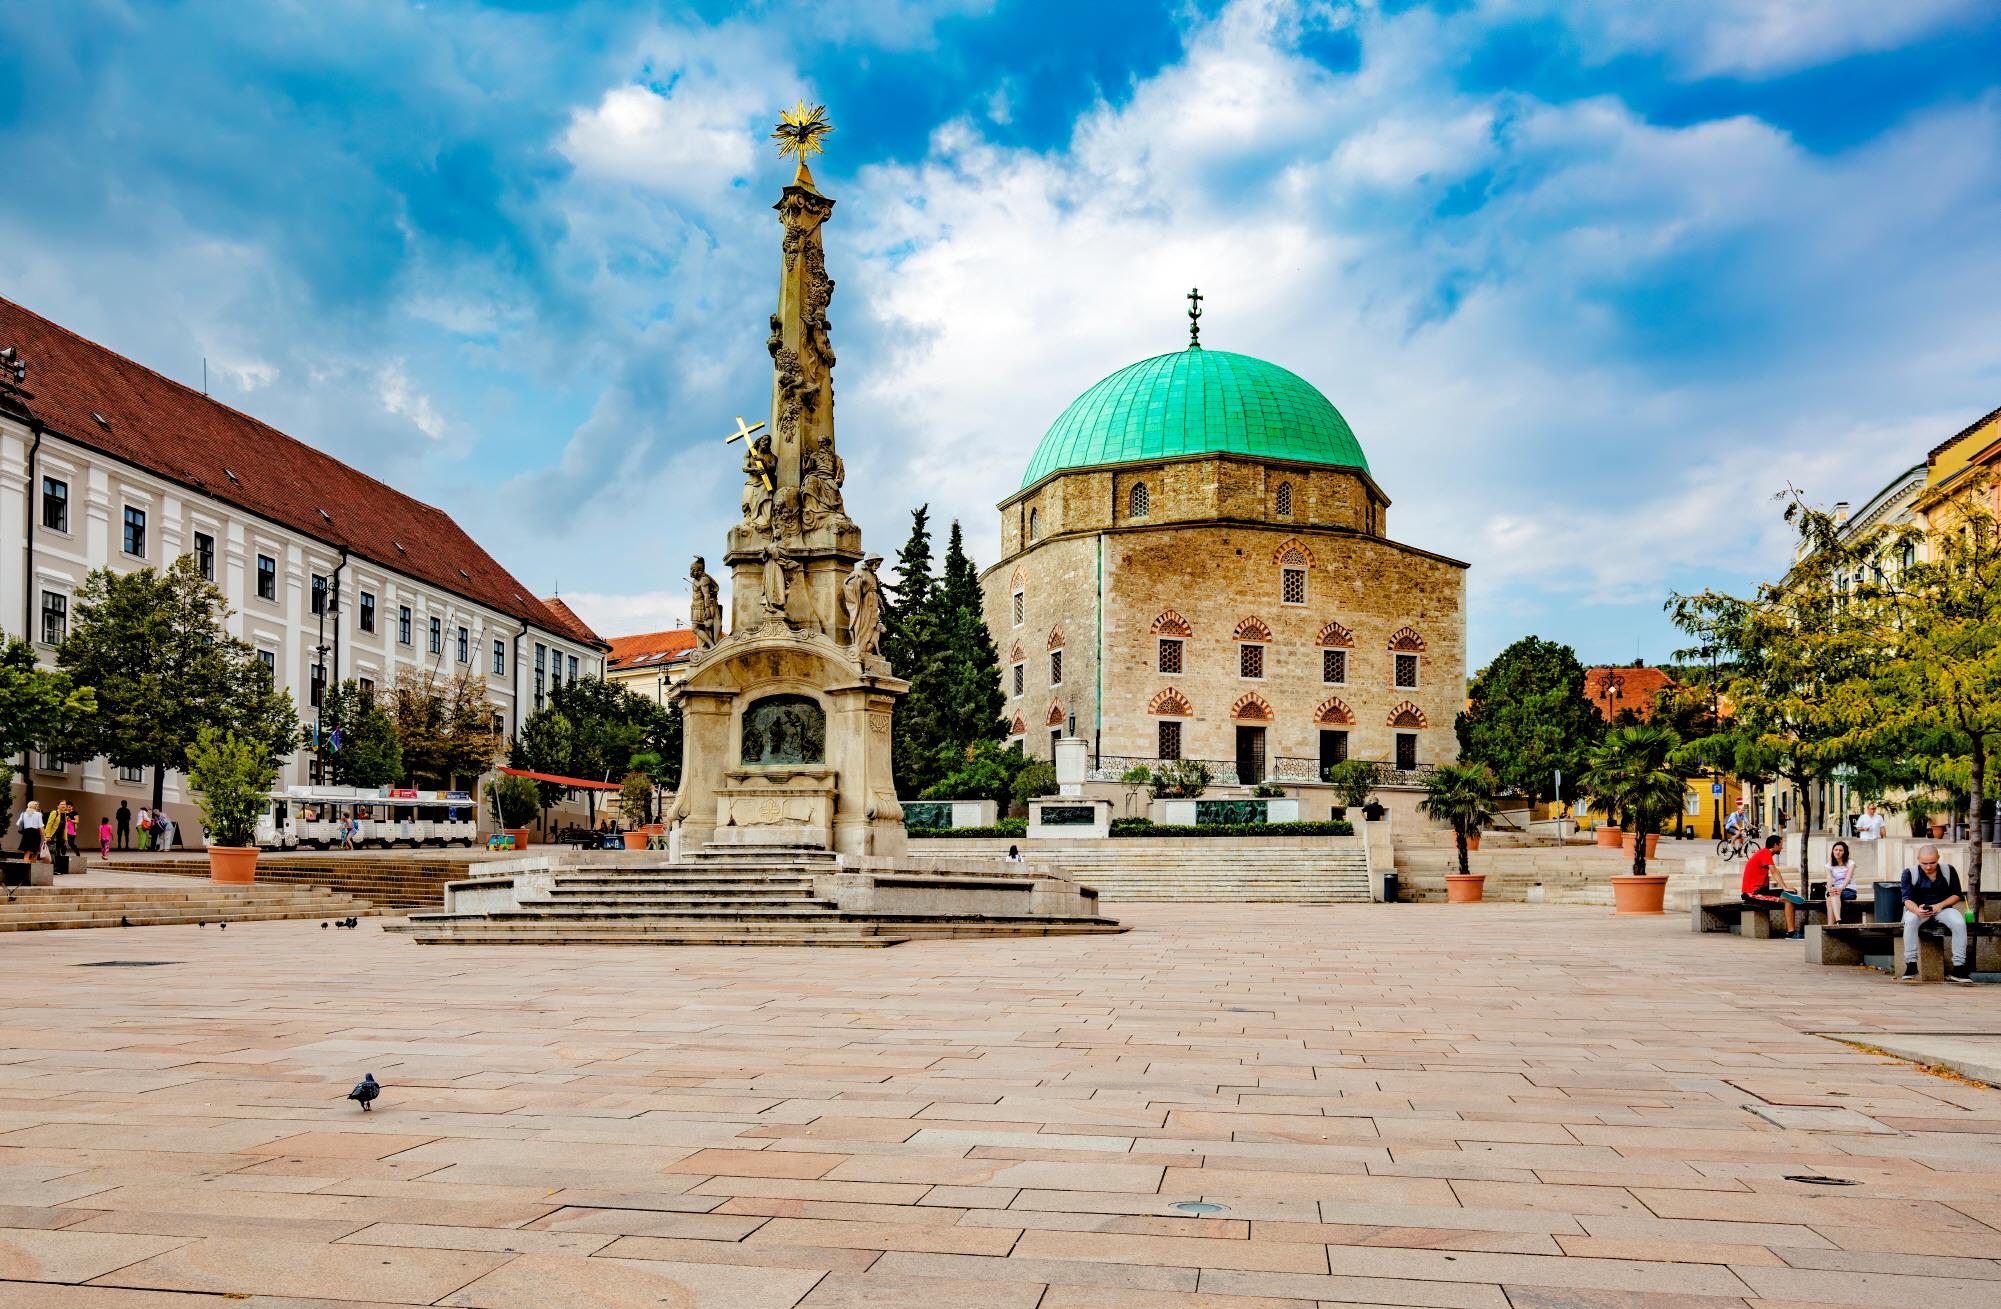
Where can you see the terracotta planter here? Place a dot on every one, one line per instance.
(634, 840)
(1639, 895)
(1473, 842)
(523, 836)
(1608, 837)
(1938, 831)
(1469, 888)
(232, 865)
(1626, 844)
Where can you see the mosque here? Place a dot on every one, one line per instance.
(1197, 566)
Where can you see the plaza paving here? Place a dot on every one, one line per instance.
(1494, 1107)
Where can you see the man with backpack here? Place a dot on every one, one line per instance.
(1932, 894)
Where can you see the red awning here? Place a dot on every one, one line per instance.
(578, 782)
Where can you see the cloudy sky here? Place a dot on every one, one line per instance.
(1591, 279)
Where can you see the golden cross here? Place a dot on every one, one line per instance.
(742, 431)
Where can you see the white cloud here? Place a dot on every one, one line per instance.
(400, 396)
(611, 615)
(692, 141)
(1760, 37)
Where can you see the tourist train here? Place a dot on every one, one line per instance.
(382, 816)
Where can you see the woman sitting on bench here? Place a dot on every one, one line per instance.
(1759, 871)
(1840, 880)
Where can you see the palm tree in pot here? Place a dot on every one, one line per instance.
(1457, 794)
(1636, 768)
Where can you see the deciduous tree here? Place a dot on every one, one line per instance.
(1526, 717)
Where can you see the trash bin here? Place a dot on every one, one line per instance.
(1889, 902)
(1392, 888)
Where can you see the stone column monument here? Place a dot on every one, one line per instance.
(787, 717)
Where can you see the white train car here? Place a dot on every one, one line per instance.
(328, 817)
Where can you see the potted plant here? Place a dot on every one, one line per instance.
(232, 778)
(1635, 768)
(1353, 780)
(635, 799)
(515, 802)
(1457, 794)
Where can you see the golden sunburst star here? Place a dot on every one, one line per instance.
(799, 131)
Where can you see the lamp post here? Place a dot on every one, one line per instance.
(1715, 774)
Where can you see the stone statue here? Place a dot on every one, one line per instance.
(705, 612)
(821, 493)
(759, 463)
(779, 565)
(862, 593)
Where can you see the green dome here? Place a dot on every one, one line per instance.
(1197, 402)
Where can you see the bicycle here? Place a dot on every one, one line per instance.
(1738, 844)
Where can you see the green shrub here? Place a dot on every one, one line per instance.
(514, 800)
(1353, 780)
(1012, 827)
(1268, 791)
(233, 778)
(1036, 779)
(1180, 779)
(635, 798)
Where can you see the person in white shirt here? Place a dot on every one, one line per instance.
(30, 826)
(1869, 827)
(1840, 879)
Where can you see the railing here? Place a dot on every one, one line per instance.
(1223, 772)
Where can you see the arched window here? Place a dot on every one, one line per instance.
(1034, 524)
(1283, 500)
(1136, 500)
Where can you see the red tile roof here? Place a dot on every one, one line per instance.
(572, 626)
(1636, 689)
(627, 651)
(175, 432)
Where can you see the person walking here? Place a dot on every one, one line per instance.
(1932, 894)
(1869, 827)
(104, 838)
(1840, 879)
(30, 826)
(71, 820)
(124, 820)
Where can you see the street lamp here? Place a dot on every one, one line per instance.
(1715, 727)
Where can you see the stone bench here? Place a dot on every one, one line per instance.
(1760, 922)
(1852, 944)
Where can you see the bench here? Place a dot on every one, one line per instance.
(1757, 921)
(1856, 943)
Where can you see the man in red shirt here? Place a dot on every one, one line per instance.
(1759, 871)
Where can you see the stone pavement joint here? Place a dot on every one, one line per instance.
(1487, 1107)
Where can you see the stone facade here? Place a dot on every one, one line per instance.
(1106, 573)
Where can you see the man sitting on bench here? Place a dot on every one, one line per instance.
(1759, 870)
(1932, 895)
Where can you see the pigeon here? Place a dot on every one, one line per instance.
(223, 926)
(123, 921)
(323, 927)
(365, 1090)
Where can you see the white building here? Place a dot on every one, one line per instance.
(106, 464)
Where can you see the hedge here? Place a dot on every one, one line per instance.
(1005, 827)
(1146, 827)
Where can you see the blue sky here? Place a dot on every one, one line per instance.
(1591, 280)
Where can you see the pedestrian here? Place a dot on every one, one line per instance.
(1932, 895)
(30, 826)
(347, 826)
(70, 820)
(1869, 827)
(145, 828)
(55, 839)
(163, 830)
(104, 838)
(1760, 871)
(1840, 879)
(124, 821)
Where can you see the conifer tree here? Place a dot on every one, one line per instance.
(969, 668)
(910, 596)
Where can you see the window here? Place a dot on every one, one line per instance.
(1334, 666)
(1018, 673)
(270, 662)
(499, 658)
(367, 612)
(403, 624)
(1250, 661)
(1137, 500)
(499, 724)
(1283, 500)
(573, 669)
(465, 646)
(367, 687)
(55, 618)
(319, 594)
(135, 531)
(1406, 751)
(1018, 607)
(1170, 655)
(437, 635)
(1034, 524)
(1170, 740)
(51, 764)
(1333, 749)
(55, 504)
(267, 578)
(1056, 668)
(129, 774)
(541, 658)
(319, 690)
(1292, 590)
(205, 555)
(1406, 672)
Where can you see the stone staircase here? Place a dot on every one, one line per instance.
(389, 881)
(1297, 870)
(734, 897)
(45, 908)
(1519, 870)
